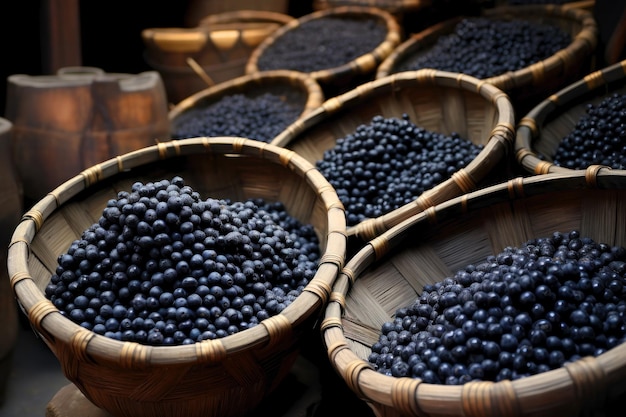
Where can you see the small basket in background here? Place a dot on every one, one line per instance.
(334, 79)
(216, 50)
(437, 101)
(531, 84)
(226, 376)
(541, 130)
(295, 89)
(390, 272)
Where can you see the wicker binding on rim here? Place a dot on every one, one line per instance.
(207, 378)
(394, 7)
(363, 65)
(299, 89)
(534, 82)
(435, 100)
(542, 129)
(391, 270)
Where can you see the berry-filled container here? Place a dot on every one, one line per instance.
(579, 126)
(256, 106)
(226, 373)
(500, 302)
(330, 46)
(457, 136)
(496, 46)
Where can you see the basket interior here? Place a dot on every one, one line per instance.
(458, 238)
(235, 177)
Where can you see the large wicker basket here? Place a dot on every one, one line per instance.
(435, 100)
(529, 85)
(391, 270)
(540, 131)
(219, 377)
(341, 78)
(298, 89)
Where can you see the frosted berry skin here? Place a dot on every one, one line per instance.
(485, 48)
(598, 138)
(388, 163)
(522, 312)
(261, 117)
(164, 267)
(323, 43)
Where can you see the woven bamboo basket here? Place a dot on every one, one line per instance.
(219, 377)
(338, 79)
(299, 89)
(541, 130)
(395, 7)
(529, 85)
(391, 270)
(215, 50)
(435, 100)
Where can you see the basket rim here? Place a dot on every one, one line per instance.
(500, 142)
(308, 85)
(384, 389)
(529, 128)
(33, 302)
(369, 60)
(582, 44)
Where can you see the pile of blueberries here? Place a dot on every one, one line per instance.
(389, 162)
(598, 138)
(524, 311)
(484, 48)
(164, 267)
(260, 117)
(323, 43)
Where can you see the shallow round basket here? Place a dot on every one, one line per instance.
(214, 51)
(438, 101)
(219, 377)
(540, 132)
(339, 79)
(299, 89)
(529, 85)
(391, 270)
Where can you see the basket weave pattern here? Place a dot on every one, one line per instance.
(390, 271)
(207, 378)
(435, 100)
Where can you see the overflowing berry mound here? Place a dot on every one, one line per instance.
(485, 48)
(260, 117)
(598, 138)
(323, 43)
(164, 267)
(390, 162)
(524, 311)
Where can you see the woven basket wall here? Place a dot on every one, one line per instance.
(219, 377)
(435, 100)
(339, 79)
(541, 130)
(391, 270)
(298, 89)
(527, 86)
(216, 50)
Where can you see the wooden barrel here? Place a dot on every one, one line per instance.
(10, 213)
(81, 116)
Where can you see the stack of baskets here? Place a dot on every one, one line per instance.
(391, 270)
(434, 100)
(226, 376)
(216, 50)
(531, 84)
(541, 130)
